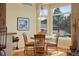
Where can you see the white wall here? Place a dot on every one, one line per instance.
(19, 10)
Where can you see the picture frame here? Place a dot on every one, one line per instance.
(22, 24)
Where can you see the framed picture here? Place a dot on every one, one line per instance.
(22, 24)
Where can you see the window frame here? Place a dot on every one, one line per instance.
(41, 20)
(52, 14)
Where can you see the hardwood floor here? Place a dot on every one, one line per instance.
(51, 52)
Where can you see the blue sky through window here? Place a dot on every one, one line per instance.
(43, 12)
(64, 9)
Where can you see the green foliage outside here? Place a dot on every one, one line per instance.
(62, 22)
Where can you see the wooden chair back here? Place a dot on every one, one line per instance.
(39, 43)
(25, 38)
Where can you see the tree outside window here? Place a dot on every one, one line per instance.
(62, 21)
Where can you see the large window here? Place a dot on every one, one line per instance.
(61, 17)
(43, 20)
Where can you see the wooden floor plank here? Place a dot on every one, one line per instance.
(51, 52)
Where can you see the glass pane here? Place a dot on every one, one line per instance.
(62, 21)
(43, 20)
(60, 10)
(56, 23)
(43, 25)
(63, 24)
(43, 12)
(65, 9)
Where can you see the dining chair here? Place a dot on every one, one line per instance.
(27, 44)
(40, 48)
(3, 40)
(55, 45)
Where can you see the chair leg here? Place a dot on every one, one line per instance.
(34, 52)
(3, 52)
(26, 50)
(57, 49)
(0, 53)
